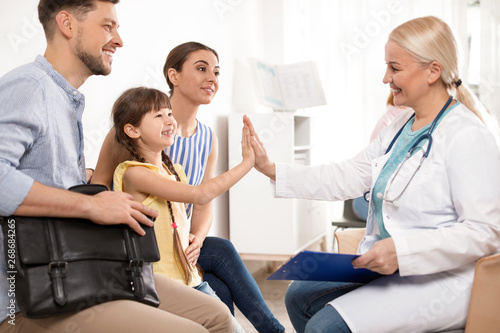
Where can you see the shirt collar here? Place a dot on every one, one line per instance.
(59, 79)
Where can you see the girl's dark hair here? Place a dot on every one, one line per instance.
(48, 9)
(130, 108)
(178, 56)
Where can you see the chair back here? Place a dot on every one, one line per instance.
(484, 308)
(348, 240)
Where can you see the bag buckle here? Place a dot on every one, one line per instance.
(58, 264)
(136, 262)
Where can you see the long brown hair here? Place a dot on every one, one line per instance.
(130, 108)
(178, 56)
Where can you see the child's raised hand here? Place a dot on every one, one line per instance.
(246, 146)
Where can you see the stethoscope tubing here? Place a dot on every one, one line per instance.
(427, 136)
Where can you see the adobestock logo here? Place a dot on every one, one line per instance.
(371, 29)
(277, 124)
(224, 6)
(422, 318)
(29, 29)
(154, 77)
(93, 138)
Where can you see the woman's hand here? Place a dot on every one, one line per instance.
(381, 258)
(262, 162)
(193, 250)
(246, 146)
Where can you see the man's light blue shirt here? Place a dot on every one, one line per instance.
(41, 139)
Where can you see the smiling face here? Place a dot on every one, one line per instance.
(97, 39)
(408, 79)
(198, 80)
(156, 130)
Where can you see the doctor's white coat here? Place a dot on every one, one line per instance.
(447, 218)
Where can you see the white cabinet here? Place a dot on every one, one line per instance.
(259, 223)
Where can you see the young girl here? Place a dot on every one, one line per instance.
(144, 125)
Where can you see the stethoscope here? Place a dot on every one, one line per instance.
(425, 136)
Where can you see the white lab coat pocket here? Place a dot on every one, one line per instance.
(402, 182)
(421, 186)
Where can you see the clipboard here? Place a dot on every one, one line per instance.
(323, 266)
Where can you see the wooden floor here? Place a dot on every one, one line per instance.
(274, 291)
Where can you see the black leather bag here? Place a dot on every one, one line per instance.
(66, 265)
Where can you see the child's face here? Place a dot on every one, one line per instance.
(157, 129)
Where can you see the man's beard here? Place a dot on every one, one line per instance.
(93, 63)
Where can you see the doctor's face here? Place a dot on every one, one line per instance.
(406, 77)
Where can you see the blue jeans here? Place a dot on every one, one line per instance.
(305, 303)
(205, 288)
(227, 275)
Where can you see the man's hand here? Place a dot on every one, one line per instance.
(109, 207)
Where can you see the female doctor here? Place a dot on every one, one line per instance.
(434, 175)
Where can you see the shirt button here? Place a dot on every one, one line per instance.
(388, 217)
(75, 93)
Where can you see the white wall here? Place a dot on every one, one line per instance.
(345, 37)
(150, 29)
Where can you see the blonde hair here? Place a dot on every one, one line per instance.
(430, 39)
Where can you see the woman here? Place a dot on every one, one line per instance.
(192, 70)
(430, 218)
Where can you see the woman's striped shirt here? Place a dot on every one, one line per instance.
(192, 153)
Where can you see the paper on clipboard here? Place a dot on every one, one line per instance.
(288, 87)
(323, 266)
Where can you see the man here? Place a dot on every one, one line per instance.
(41, 155)
(43, 98)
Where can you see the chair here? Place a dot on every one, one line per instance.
(484, 308)
(349, 219)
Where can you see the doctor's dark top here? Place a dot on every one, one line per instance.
(41, 139)
(192, 153)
